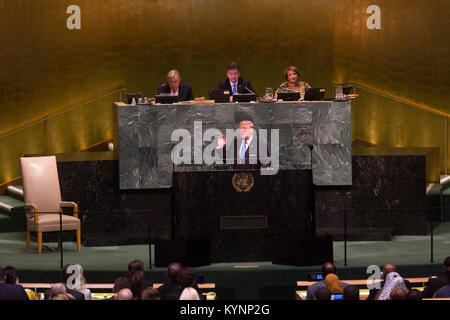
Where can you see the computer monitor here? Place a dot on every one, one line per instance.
(219, 95)
(136, 96)
(288, 96)
(166, 98)
(314, 94)
(244, 97)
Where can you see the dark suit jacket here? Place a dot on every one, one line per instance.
(77, 295)
(242, 83)
(12, 292)
(184, 91)
(253, 152)
(170, 291)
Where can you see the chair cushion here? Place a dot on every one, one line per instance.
(50, 222)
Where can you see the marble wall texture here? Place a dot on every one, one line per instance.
(145, 137)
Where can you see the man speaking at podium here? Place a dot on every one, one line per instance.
(247, 148)
(234, 83)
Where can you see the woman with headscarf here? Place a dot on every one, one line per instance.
(393, 280)
(334, 284)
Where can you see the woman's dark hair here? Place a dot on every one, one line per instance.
(135, 275)
(10, 275)
(186, 277)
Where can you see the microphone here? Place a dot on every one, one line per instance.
(250, 90)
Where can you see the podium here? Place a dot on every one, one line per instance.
(242, 212)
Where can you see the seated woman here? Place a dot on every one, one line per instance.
(293, 83)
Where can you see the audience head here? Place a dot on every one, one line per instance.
(125, 294)
(334, 284)
(328, 268)
(151, 294)
(186, 277)
(233, 72)
(57, 288)
(10, 275)
(189, 294)
(173, 79)
(323, 294)
(291, 74)
(121, 283)
(446, 268)
(173, 271)
(414, 294)
(398, 294)
(135, 275)
(388, 268)
(351, 293)
(61, 296)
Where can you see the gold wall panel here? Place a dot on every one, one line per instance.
(45, 68)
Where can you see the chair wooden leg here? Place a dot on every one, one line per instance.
(27, 246)
(79, 240)
(39, 236)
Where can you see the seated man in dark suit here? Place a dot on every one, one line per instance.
(65, 277)
(234, 83)
(248, 151)
(176, 87)
(171, 290)
(9, 289)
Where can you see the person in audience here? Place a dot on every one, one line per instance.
(57, 288)
(393, 280)
(388, 268)
(171, 289)
(83, 289)
(334, 284)
(327, 268)
(125, 294)
(292, 83)
(444, 292)
(234, 83)
(186, 279)
(65, 275)
(119, 284)
(151, 294)
(136, 274)
(189, 293)
(322, 294)
(9, 289)
(351, 293)
(176, 87)
(435, 283)
(63, 296)
(398, 294)
(414, 295)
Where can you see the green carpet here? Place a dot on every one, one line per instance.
(103, 264)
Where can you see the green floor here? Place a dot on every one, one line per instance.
(103, 264)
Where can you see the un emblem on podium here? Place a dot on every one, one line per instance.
(243, 181)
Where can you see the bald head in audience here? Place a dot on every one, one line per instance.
(125, 294)
(57, 288)
(388, 268)
(328, 268)
(398, 294)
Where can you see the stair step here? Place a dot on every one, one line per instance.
(11, 205)
(16, 192)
